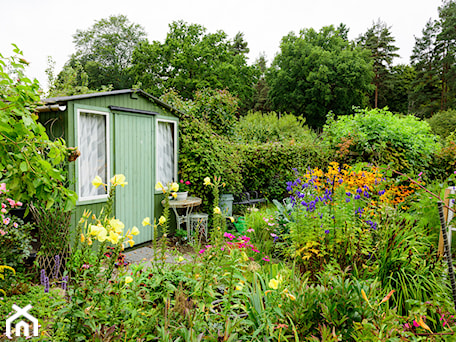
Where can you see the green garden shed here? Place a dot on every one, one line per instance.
(119, 132)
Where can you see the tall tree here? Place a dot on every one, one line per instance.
(190, 59)
(434, 58)
(104, 52)
(318, 72)
(379, 41)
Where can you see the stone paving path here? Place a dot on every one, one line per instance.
(146, 255)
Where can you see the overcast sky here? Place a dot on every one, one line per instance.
(43, 28)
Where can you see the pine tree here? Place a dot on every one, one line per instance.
(380, 42)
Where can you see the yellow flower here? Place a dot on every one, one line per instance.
(118, 180)
(231, 219)
(131, 243)
(146, 222)
(161, 220)
(89, 241)
(217, 210)
(94, 230)
(134, 231)
(244, 256)
(113, 238)
(159, 186)
(97, 182)
(117, 225)
(128, 280)
(239, 287)
(273, 284)
(82, 238)
(207, 181)
(175, 187)
(174, 194)
(180, 258)
(102, 234)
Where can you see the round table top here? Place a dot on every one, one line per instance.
(189, 202)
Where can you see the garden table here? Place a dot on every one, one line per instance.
(187, 205)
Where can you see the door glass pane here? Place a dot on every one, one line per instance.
(93, 160)
(165, 152)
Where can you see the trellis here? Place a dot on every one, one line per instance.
(54, 232)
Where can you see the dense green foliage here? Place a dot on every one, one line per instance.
(30, 163)
(405, 142)
(434, 59)
(258, 127)
(316, 72)
(104, 52)
(443, 123)
(190, 59)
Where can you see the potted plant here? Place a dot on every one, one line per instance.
(184, 187)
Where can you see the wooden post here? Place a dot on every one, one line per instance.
(447, 252)
(446, 200)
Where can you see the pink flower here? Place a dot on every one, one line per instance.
(415, 324)
(2, 187)
(19, 204)
(187, 183)
(182, 181)
(15, 225)
(6, 221)
(3, 205)
(222, 249)
(265, 219)
(250, 230)
(2, 232)
(202, 251)
(3, 210)
(86, 266)
(266, 258)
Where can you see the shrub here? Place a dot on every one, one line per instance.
(443, 123)
(257, 127)
(267, 167)
(380, 136)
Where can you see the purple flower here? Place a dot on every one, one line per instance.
(327, 231)
(347, 199)
(46, 284)
(42, 276)
(357, 197)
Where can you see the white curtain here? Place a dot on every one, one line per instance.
(93, 160)
(165, 152)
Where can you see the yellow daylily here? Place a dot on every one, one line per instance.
(159, 186)
(134, 231)
(82, 238)
(231, 219)
(118, 180)
(161, 220)
(102, 234)
(89, 241)
(146, 222)
(97, 181)
(117, 225)
(273, 284)
(113, 238)
(217, 210)
(175, 187)
(131, 243)
(128, 279)
(207, 181)
(174, 194)
(95, 229)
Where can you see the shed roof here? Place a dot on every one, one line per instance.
(64, 99)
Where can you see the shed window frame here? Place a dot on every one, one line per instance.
(175, 148)
(79, 181)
